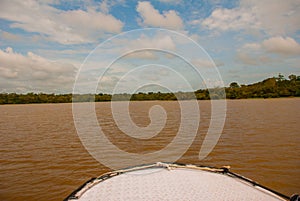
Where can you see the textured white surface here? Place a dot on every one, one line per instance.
(177, 184)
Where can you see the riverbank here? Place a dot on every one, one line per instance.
(268, 88)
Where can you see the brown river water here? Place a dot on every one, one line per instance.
(42, 158)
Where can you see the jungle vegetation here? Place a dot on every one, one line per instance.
(274, 87)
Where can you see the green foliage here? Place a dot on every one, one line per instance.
(269, 88)
(234, 85)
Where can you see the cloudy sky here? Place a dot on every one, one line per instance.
(44, 45)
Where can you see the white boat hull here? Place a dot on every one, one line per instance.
(164, 181)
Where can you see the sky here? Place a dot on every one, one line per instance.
(119, 46)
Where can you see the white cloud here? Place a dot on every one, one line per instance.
(280, 45)
(274, 17)
(104, 6)
(263, 52)
(152, 17)
(142, 55)
(247, 58)
(164, 42)
(158, 41)
(252, 46)
(195, 22)
(32, 72)
(254, 60)
(8, 73)
(204, 63)
(171, 1)
(66, 27)
(9, 36)
(253, 53)
(230, 19)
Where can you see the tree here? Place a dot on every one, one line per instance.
(234, 85)
(292, 77)
(280, 77)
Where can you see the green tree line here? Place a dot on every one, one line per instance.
(274, 87)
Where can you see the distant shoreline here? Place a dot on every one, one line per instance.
(19, 104)
(275, 87)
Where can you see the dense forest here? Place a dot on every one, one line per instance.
(274, 87)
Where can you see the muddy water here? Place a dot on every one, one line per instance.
(42, 158)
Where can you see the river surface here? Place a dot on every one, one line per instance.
(42, 157)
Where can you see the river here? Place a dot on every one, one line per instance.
(42, 157)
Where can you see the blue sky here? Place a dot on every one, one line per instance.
(44, 44)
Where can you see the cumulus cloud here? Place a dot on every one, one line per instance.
(32, 72)
(274, 17)
(65, 27)
(260, 53)
(281, 45)
(230, 19)
(152, 17)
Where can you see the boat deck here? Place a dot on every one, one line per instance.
(172, 182)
